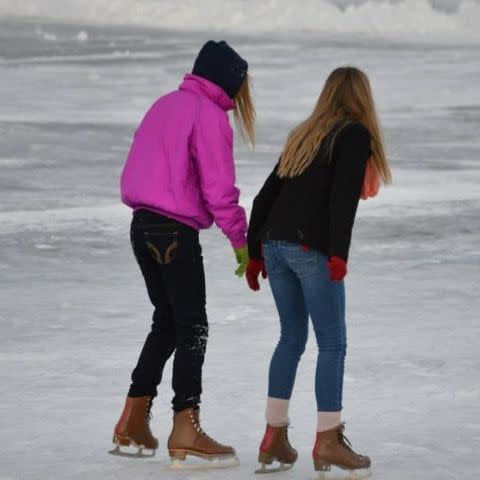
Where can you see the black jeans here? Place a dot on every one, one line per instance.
(170, 258)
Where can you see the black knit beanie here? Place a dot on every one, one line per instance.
(222, 65)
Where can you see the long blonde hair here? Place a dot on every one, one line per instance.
(244, 112)
(346, 97)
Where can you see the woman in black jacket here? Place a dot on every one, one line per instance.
(300, 230)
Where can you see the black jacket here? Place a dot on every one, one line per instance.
(318, 207)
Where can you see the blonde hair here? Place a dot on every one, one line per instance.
(244, 112)
(345, 98)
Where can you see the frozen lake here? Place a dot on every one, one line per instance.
(73, 309)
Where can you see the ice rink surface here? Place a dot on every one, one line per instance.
(73, 310)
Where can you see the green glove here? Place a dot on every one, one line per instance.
(241, 254)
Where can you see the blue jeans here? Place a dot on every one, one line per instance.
(301, 288)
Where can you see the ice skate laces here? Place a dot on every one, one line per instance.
(199, 429)
(285, 434)
(148, 412)
(343, 440)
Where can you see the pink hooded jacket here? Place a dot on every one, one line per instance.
(181, 161)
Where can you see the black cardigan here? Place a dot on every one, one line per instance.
(318, 207)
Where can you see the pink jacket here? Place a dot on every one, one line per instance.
(181, 161)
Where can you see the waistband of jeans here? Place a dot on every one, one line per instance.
(153, 218)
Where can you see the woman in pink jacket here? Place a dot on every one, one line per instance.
(179, 178)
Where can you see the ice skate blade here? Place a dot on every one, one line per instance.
(140, 453)
(281, 468)
(339, 474)
(204, 463)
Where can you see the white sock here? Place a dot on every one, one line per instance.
(277, 412)
(328, 420)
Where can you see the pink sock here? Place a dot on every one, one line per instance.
(328, 420)
(277, 412)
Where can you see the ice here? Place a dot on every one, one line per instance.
(82, 36)
(73, 308)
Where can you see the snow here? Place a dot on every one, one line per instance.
(82, 36)
(73, 308)
(407, 20)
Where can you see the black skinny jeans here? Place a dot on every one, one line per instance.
(170, 258)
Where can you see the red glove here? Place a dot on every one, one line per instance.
(337, 267)
(254, 268)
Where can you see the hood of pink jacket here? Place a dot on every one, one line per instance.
(200, 86)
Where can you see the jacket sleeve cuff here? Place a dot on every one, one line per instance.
(239, 242)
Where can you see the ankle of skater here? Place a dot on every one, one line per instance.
(182, 402)
(327, 420)
(276, 414)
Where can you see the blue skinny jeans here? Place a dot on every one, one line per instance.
(301, 289)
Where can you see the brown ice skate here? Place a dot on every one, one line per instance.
(133, 428)
(332, 448)
(188, 439)
(276, 447)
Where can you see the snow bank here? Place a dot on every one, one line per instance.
(407, 20)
